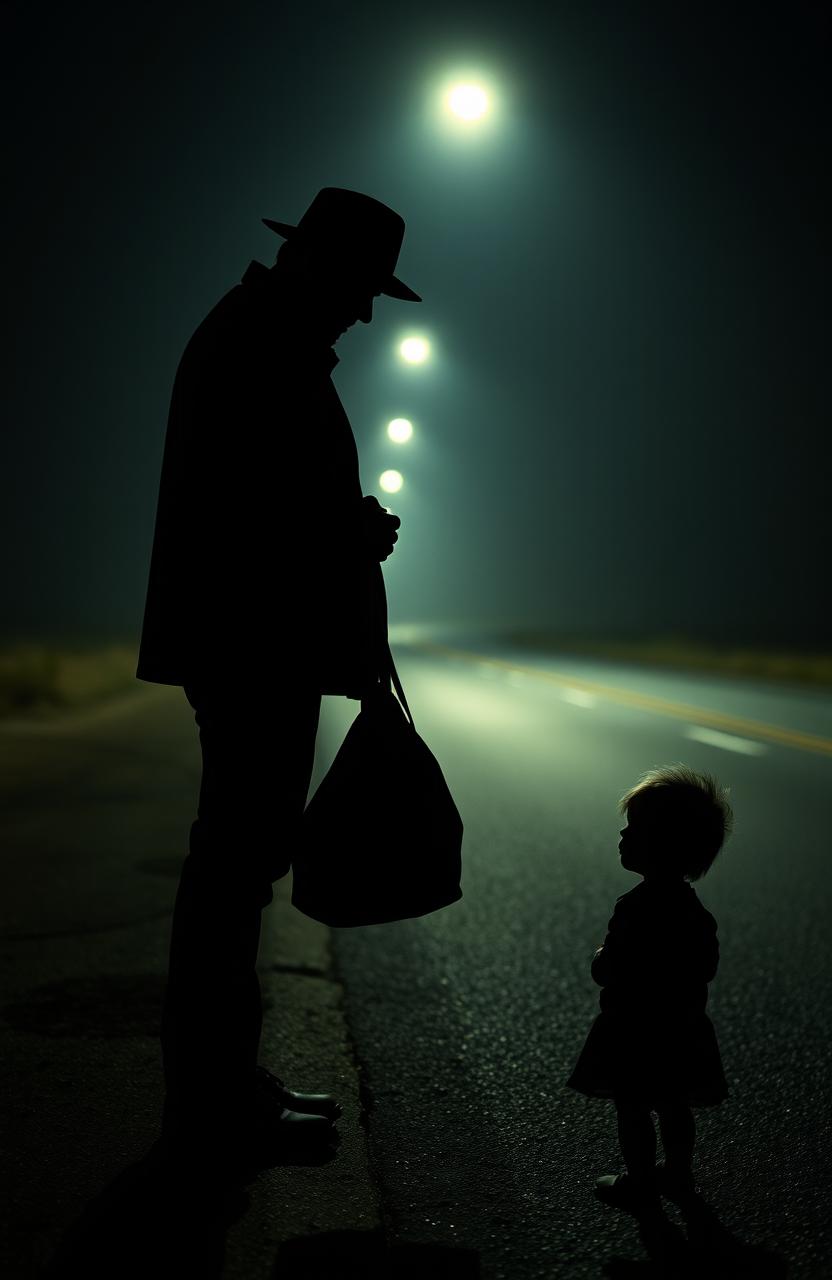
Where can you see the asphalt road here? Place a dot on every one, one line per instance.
(466, 1023)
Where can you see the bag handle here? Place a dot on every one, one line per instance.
(393, 675)
(388, 671)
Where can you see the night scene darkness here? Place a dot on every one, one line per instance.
(622, 426)
(604, 429)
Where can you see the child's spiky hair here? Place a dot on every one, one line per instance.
(695, 808)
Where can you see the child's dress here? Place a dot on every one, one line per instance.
(652, 1042)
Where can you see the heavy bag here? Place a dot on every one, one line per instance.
(381, 838)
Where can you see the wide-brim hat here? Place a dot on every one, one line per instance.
(354, 234)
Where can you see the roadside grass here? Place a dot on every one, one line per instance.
(743, 661)
(38, 679)
(43, 679)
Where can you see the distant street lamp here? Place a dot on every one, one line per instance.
(468, 101)
(414, 350)
(391, 481)
(400, 430)
(466, 104)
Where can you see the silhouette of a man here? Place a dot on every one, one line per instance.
(263, 594)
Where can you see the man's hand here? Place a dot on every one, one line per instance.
(380, 528)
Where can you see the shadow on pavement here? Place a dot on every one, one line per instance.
(158, 1218)
(147, 1222)
(706, 1249)
(366, 1254)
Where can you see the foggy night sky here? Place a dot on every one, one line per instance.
(625, 427)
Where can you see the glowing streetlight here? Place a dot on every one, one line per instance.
(467, 101)
(414, 350)
(400, 430)
(391, 481)
(467, 104)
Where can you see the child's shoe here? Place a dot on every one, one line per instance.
(624, 1192)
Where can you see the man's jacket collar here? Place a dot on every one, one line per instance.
(258, 276)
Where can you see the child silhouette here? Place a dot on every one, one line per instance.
(653, 1047)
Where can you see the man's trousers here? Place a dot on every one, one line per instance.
(258, 747)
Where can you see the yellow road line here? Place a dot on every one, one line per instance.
(648, 702)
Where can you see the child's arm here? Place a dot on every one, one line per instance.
(600, 968)
(610, 961)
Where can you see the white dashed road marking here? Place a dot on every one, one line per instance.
(579, 698)
(728, 742)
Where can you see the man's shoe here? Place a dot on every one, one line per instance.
(313, 1104)
(620, 1189)
(273, 1134)
(249, 1127)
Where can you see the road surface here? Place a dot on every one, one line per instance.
(467, 1022)
(464, 1024)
